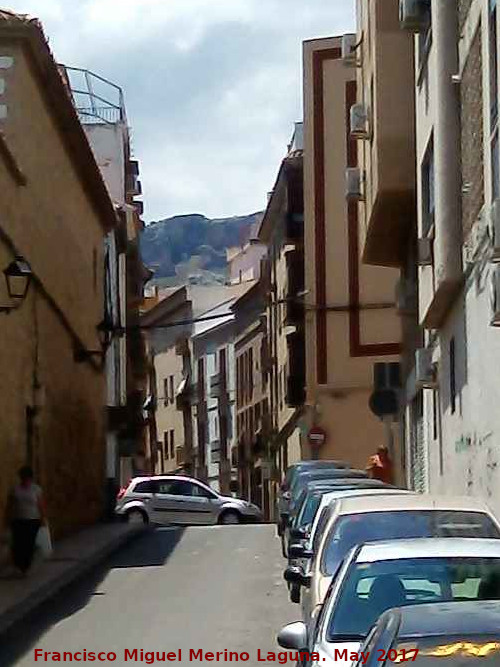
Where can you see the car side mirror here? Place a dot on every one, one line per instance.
(298, 550)
(295, 575)
(293, 636)
(298, 533)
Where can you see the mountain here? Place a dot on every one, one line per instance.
(192, 248)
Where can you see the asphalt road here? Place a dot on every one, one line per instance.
(211, 588)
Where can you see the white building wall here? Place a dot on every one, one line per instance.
(462, 442)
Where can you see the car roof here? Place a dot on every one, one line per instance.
(331, 497)
(318, 464)
(412, 502)
(432, 547)
(449, 618)
(183, 478)
(334, 472)
(344, 481)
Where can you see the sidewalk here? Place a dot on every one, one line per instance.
(72, 558)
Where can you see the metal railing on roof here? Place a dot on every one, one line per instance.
(96, 100)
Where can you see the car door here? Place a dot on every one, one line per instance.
(180, 502)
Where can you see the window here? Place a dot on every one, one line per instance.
(435, 415)
(369, 589)
(350, 530)
(171, 391)
(145, 487)
(250, 373)
(166, 395)
(202, 492)
(428, 192)
(172, 444)
(165, 445)
(453, 377)
(183, 488)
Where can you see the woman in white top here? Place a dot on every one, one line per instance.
(26, 513)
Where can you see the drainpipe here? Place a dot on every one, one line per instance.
(448, 239)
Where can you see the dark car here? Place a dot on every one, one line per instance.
(291, 473)
(309, 501)
(301, 480)
(448, 634)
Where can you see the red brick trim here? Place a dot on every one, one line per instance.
(319, 58)
(357, 349)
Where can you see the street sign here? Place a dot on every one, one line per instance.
(384, 402)
(317, 436)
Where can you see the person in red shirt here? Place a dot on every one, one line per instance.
(380, 466)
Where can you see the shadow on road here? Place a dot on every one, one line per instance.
(152, 549)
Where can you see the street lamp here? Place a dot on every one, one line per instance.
(18, 277)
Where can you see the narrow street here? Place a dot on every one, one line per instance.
(209, 588)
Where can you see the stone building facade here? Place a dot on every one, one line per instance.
(55, 213)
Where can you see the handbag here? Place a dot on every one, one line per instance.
(44, 542)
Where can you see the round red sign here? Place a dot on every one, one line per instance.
(317, 436)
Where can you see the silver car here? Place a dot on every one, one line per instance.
(174, 499)
(379, 576)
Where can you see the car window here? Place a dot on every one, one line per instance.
(145, 487)
(369, 589)
(200, 492)
(183, 488)
(353, 529)
(165, 485)
(308, 510)
(320, 528)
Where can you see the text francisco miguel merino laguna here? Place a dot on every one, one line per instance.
(153, 657)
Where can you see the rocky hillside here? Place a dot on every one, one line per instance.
(193, 247)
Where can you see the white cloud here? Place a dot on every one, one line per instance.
(212, 87)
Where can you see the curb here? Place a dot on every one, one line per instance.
(51, 588)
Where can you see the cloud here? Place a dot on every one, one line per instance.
(212, 87)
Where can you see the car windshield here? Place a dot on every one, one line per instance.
(353, 529)
(308, 510)
(371, 588)
(461, 650)
(320, 475)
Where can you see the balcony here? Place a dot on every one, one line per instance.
(387, 78)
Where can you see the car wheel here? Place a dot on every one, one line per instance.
(137, 516)
(229, 518)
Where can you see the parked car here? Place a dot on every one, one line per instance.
(376, 577)
(358, 520)
(174, 499)
(291, 473)
(303, 478)
(429, 635)
(310, 497)
(307, 538)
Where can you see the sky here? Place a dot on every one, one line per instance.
(212, 87)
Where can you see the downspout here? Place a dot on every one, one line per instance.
(447, 154)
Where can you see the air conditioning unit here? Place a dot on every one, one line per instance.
(359, 122)
(354, 185)
(495, 230)
(425, 370)
(495, 295)
(424, 250)
(349, 49)
(414, 15)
